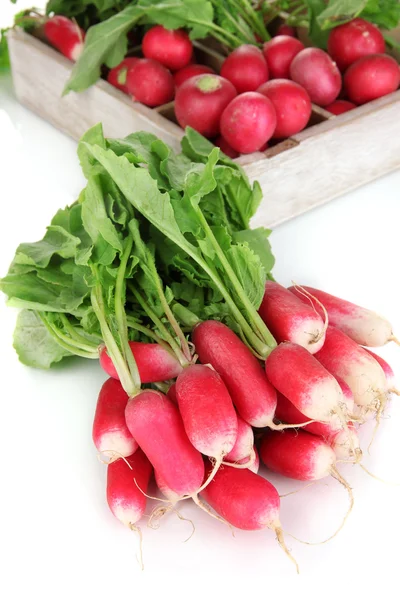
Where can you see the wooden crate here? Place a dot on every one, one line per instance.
(332, 156)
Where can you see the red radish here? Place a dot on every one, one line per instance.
(246, 68)
(65, 35)
(225, 147)
(252, 394)
(190, 71)
(286, 30)
(353, 40)
(173, 49)
(244, 443)
(314, 69)
(207, 411)
(292, 105)
(289, 319)
(254, 465)
(200, 101)
(155, 423)
(165, 490)
(360, 324)
(371, 77)
(150, 83)
(248, 122)
(110, 433)
(125, 498)
(246, 501)
(172, 394)
(344, 358)
(339, 107)
(154, 362)
(298, 375)
(117, 76)
(387, 369)
(279, 54)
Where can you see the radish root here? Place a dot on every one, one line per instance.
(211, 476)
(246, 465)
(281, 541)
(394, 391)
(364, 468)
(394, 339)
(283, 426)
(206, 509)
(137, 530)
(159, 511)
(310, 297)
(381, 405)
(300, 489)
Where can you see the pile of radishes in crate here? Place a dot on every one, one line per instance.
(155, 273)
(265, 87)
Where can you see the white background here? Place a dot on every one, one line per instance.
(58, 539)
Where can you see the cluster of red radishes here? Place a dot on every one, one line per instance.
(199, 436)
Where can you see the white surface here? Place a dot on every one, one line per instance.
(59, 540)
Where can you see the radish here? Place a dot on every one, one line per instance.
(371, 77)
(246, 501)
(339, 107)
(292, 105)
(353, 40)
(285, 29)
(207, 411)
(360, 324)
(154, 362)
(117, 76)
(246, 68)
(225, 147)
(316, 72)
(344, 358)
(200, 101)
(110, 433)
(171, 394)
(190, 71)
(254, 463)
(243, 447)
(173, 49)
(248, 122)
(127, 481)
(387, 369)
(252, 394)
(289, 319)
(65, 35)
(155, 423)
(150, 83)
(299, 376)
(279, 54)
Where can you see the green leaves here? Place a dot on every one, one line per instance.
(196, 15)
(383, 13)
(340, 11)
(57, 241)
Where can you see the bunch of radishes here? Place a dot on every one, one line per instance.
(198, 436)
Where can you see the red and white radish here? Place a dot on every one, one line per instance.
(154, 362)
(316, 72)
(200, 102)
(279, 54)
(371, 77)
(387, 369)
(353, 40)
(171, 48)
(361, 324)
(292, 105)
(338, 107)
(190, 71)
(110, 433)
(117, 76)
(246, 68)
(65, 35)
(127, 482)
(248, 122)
(243, 447)
(150, 83)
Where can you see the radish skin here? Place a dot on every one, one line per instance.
(361, 324)
(171, 394)
(65, 35)
(244, 442)
(291, 320)
(110, 433)
(124, 497)
(387, 369)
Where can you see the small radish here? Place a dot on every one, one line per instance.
(172, 394)
(110, 433)
(154, 362)
(126, 482)
(316, 72)
(248, 122)
(298, 375)
(254, 464)
(360, 324)
(200, 102)
(252, 394)
(387, 369)
(344, 358)
(285, 29)
(117, 76)
(338, 107)
(246, 68)
(279, 54)
(65, 35)
(244, 443)
(371, 77)
(171, 48)
(150, 83)
(291, 320)
(157, 426)
(225, 147)
(353, 40)
(292, 105)
(190, 71)
(246, 501)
